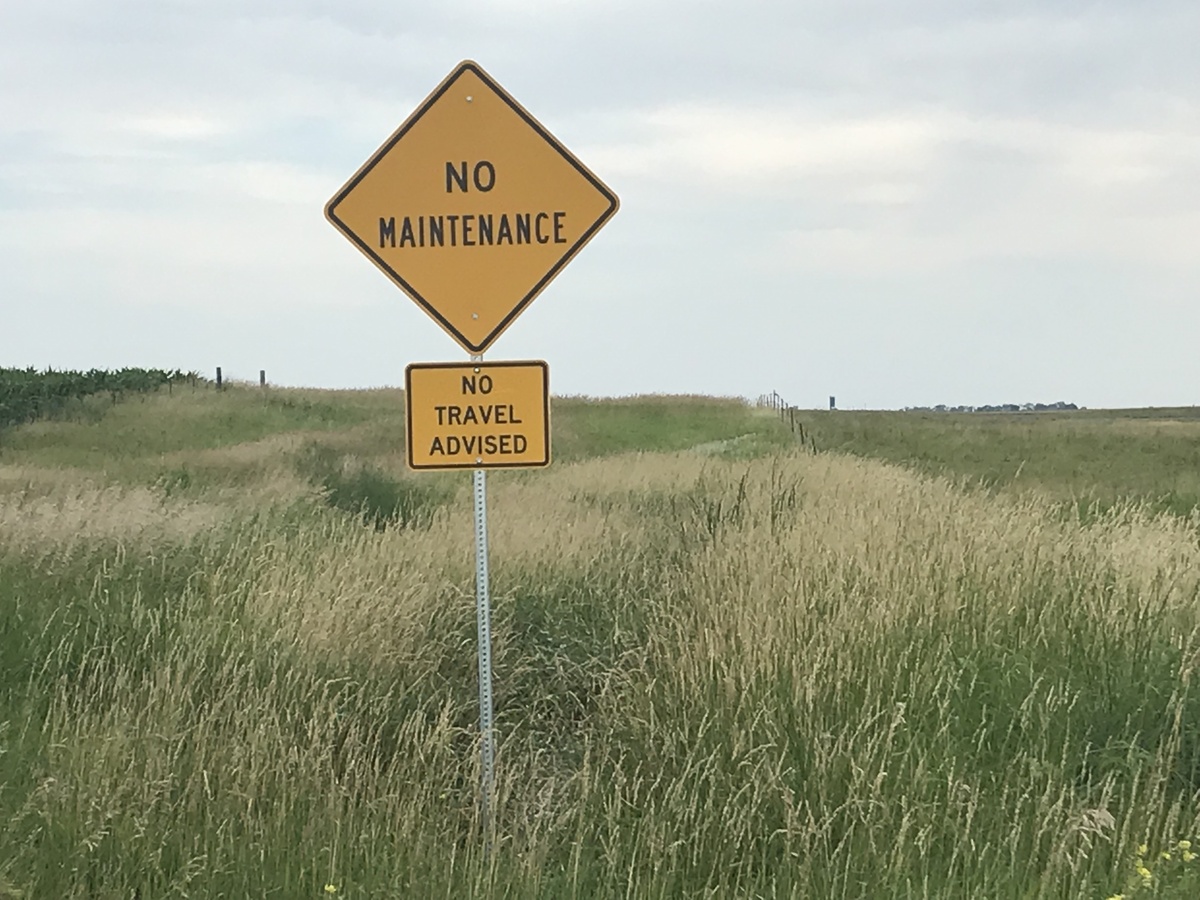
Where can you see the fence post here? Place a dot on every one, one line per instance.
(218, 378)
(262, 378)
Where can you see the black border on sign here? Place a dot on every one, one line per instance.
(447, 83)
(507, 364)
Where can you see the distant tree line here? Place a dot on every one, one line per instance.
(29, 394)
(1001, 407)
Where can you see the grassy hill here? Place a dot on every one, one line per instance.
(237, 656)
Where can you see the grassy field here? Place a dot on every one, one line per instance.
(237, 656)
(1090, 457)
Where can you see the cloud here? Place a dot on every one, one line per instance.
(924, 189)
(178, 153)
(176, 126)
(760, 148)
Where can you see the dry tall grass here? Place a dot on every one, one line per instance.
(798, 676)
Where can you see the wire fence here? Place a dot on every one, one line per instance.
(789, 413)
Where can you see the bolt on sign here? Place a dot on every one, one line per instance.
(472, 207)
(477, 415)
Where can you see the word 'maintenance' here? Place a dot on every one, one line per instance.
(479, 229)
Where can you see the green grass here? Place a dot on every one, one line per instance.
(1090, 457)
(242, 663)
(144, 430)
(153, 437)
(380, 499)
(585, 428)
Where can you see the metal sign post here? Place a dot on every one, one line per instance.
(483, 617)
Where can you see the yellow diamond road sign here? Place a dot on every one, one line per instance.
(471, 207)
(477, 415)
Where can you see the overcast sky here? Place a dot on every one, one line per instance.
(898, 203)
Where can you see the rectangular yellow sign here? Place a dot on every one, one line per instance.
(493, 415)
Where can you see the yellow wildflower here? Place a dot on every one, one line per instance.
(331, 888)
(1188, 855)
(1184, 845)
(1144, 872)
(1165, 855)
(1143, 849)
